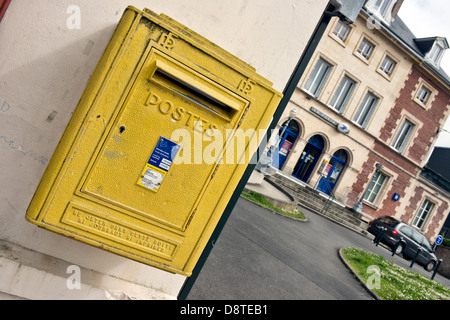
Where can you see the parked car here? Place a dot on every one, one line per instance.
(410, 240)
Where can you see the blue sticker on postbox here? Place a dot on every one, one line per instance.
(159, 164)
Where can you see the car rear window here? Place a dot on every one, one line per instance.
(389, 221)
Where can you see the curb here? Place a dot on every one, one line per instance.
(277, 213)
(361, 281)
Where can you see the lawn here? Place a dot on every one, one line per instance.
(393, 282)
(256, 197)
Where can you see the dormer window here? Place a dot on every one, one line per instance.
(382, 6)
(433, 49)
(381, 9)
(436, 53)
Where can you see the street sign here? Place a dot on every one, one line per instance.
(439, 240)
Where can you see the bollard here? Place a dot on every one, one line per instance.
(436, 268)
(396, 246)
(415, 258)
(380, 236)
(376, 240)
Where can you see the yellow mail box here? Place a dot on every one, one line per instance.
(140, 170)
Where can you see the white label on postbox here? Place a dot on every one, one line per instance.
(159, 164)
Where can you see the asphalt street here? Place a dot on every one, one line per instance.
(264, 256)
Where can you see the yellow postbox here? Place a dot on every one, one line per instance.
(119, 179)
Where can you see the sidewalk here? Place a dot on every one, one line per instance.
(279, 187)
(271, 192)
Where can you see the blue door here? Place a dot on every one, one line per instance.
(335, 168)
(308, 159)
(287, 142)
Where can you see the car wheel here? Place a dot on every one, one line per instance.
(430, 266)
(399, 249)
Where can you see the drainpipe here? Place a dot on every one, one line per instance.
(347, 10)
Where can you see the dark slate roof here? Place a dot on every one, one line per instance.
(419, 46)
(401, 30)
(425, 44)
(439, 162)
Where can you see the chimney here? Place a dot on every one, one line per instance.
(396, 8)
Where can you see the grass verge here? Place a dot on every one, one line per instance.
(394, 282)
(256, 197)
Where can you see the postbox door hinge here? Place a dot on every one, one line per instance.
(242, 117)
(191, 217)
(214, 172)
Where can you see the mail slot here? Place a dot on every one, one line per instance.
(119, 178)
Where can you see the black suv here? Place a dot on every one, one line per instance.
(410, 240)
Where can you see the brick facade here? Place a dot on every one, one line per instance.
(428, 120)
(404, 168)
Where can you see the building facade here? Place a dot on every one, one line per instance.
(369, 109)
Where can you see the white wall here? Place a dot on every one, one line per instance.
(44, 68)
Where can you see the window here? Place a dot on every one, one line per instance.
(388, 66)
(403, 136)
(343, 94)
(318, 77)
(423, 95)
(365, 48)
(437, 51)
(375, 187)
(407, 231)
(426, 244)
(382, 6)
(366, 110)
(424, 212)
(390, 221)
(341, 31)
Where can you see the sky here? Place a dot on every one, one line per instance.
(430, 18)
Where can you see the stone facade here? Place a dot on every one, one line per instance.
(399, 132)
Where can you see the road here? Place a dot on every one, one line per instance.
(263, 256)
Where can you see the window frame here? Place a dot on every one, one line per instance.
(380, 191)
(436, 51)
(336, 97)
(423, 100)
(315, 72)
(337, 35)
(401, 145)
(366, 41)
(363, 105)
(437, 45)
(387, 4)
(422, 216)
(432, 93)
(382, 70)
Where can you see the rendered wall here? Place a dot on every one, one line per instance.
(48, 50)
